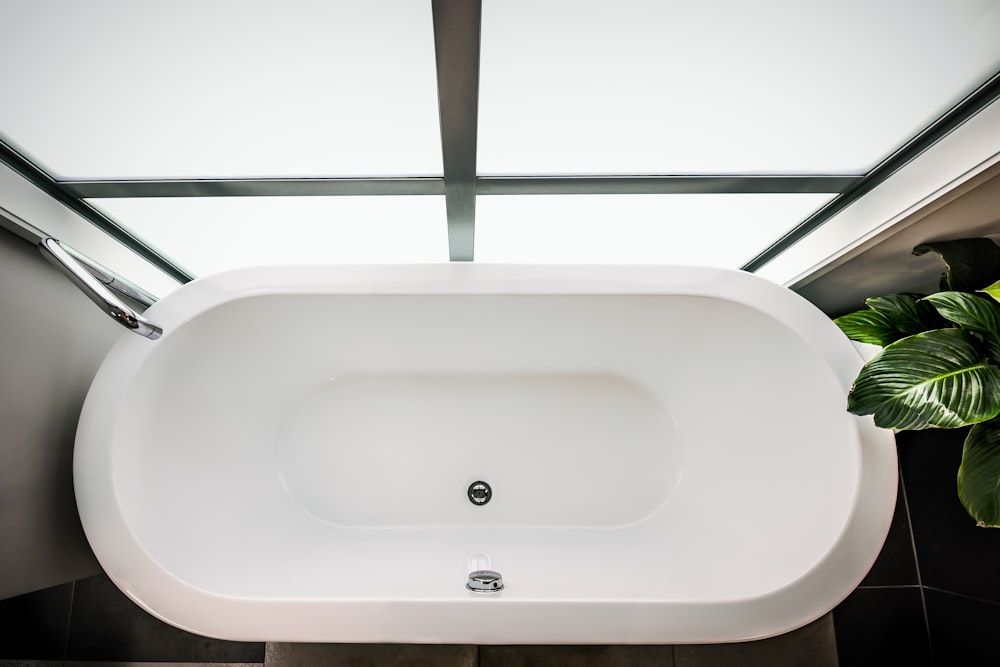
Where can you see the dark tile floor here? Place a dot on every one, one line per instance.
(955, 555)
(957, 561)
(106, 625)
(370, 655)
(963, 630)
(933, 597)
(882, 626)
(36, 625)
(91, 620)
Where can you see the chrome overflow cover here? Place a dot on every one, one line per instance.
(480, 493)
(485, 581)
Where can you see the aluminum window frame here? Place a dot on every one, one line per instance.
(457, 29)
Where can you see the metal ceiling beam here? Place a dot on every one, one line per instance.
(631, 185)
(456, 48)
(484, 185)
(55, 189)
(264, 187)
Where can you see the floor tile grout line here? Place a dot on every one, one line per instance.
(69, 620)
(916, 561)
(962, 595)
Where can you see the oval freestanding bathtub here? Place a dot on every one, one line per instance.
(667, 453)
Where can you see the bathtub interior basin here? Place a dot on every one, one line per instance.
(667, 451)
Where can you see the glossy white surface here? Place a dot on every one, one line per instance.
(668, 448)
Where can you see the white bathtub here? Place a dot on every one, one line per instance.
(668, 450)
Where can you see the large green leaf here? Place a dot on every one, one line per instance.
(967, 310)
(993, 290)
(971, 312)
(868, 326)
(889, 318)
(937, 378)
(979, 474)
(908, 312)
(972, 263)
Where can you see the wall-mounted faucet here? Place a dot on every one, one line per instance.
(97, 291)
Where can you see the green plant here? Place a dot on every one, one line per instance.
(940, 364)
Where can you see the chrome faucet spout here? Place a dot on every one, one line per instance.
(96, 291)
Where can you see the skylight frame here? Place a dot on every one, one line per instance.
(457, 36)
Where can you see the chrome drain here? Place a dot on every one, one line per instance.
(480, 493)
(485, 581)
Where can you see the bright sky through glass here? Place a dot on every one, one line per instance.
(221, 88)
(776, 86)
(713, 230)
(211, 234)
(251, 89)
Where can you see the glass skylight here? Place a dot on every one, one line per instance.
(116, 89)
(211, 234)
(781, 86)
(712, 230)
(225, 133)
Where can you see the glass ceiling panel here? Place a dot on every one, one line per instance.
(781, 86)
(118, 89)
(211, 234)
(714, 230)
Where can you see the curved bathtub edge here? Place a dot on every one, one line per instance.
(138, 574)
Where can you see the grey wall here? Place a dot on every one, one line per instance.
(52, 339)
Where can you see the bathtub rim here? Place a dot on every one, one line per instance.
(138, 574)
(204, 293)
